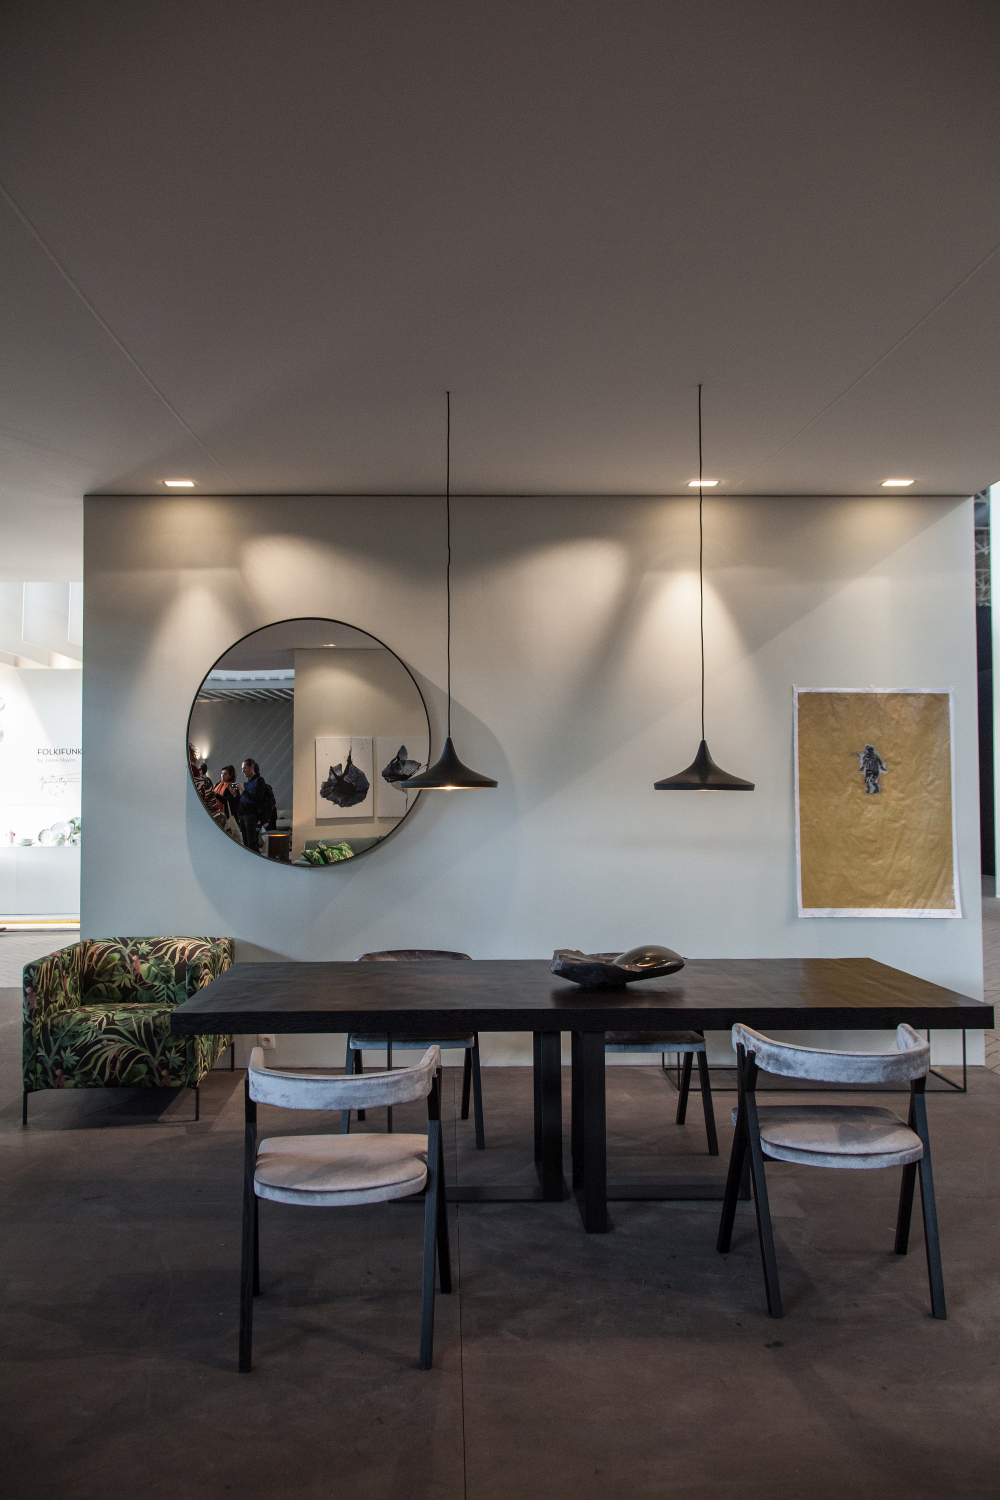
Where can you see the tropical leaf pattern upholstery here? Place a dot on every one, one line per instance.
(97, 1014)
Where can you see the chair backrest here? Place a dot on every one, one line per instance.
(408, 956)
(291, 1090)
(911, 1059)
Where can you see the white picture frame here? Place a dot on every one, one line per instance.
(391, 800)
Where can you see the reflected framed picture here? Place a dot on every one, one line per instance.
(397, 758)
(344, 777)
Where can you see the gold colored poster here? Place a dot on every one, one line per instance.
(875, 804)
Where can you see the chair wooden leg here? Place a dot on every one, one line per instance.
(706, 1104)
(764, 1234)
(443, 1245)
(733, 1181)
(345, 1114)
(232, 1056)
(477, 1096)
(247, 1255)
(24, 1107)
(935, 1275)
(359, 1067)
(388, 1068)
(430, 1244)
(685, 1089)
(256, 1245)
(906, 1188)
(466, 1083)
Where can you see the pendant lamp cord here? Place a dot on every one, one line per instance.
(447, 512)
(701, 568)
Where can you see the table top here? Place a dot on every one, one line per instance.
(708, 994)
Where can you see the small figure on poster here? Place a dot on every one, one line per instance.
(871, 765)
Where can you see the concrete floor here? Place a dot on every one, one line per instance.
(639, 1363)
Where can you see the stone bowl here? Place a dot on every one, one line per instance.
(602, 971)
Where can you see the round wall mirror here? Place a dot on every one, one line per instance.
(299, 740)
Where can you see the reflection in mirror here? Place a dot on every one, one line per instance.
(299, 740)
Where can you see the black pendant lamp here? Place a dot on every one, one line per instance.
(702, 775)
(448, 774)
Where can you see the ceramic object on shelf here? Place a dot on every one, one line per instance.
(615, 970)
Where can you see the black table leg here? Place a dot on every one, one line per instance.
(548, 1114)
(536, 1082)
(590, 1131)
(576, 1114)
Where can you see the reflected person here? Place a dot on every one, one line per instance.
(251, 809)
(228, 792)
(203, 785)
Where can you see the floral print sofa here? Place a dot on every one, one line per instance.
(97, 1014)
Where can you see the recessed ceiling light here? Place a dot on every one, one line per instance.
(703, 484)
(898, 484)
(179, 484)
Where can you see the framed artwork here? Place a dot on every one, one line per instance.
(875, 824)
(397, 757)
(344, 777)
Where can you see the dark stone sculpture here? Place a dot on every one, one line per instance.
(615, 970)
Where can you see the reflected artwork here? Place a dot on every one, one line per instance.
(397, 758)
(344, 777)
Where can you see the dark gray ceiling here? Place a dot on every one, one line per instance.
(253, 243)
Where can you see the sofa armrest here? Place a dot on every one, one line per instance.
(214, 957)
(54, 983)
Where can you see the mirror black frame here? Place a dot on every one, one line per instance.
(291, 620)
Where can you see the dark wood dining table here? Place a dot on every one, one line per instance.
(420, 999)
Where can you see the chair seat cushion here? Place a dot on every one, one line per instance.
(329, 1170)
(837, 1135)
(372, 1042)
(653, 1041)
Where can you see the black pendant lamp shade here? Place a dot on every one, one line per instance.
(702, 775)
(448, 774)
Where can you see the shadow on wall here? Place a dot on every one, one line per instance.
(328, 910)
(628, 629)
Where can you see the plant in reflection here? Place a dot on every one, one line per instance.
(346, 785)
(327, 854)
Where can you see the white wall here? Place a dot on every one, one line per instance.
(575, 680)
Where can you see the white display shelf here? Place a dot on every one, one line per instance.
(40, 882)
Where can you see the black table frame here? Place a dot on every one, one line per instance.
(522, 995)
